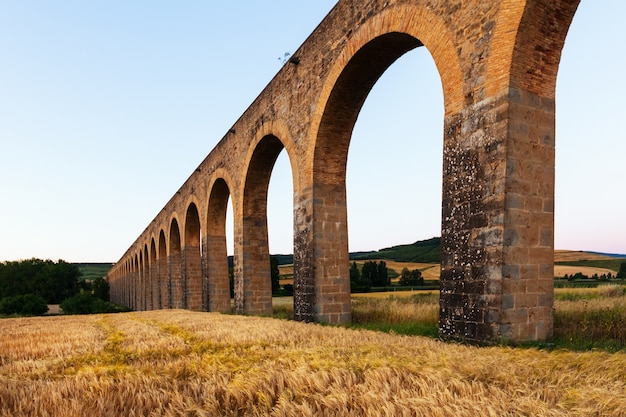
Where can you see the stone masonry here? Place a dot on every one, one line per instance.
(498, 61)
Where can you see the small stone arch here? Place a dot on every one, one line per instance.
(154, 277)
(192, 259)
(145, 278)
(136, 283)
(162, 272)
(217, 281)
(253, 289)
(175, 266)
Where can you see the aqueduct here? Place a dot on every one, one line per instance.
(498, 61)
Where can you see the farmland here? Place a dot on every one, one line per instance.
(206, 364)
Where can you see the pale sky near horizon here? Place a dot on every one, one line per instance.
(107, 107)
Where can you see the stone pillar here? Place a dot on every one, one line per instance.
(303, 259)
(193, 277)
(498, 201)
(217, 280)
(176, 281)
(321, 264)
(162, 279)
(154, 282)
(255, 265)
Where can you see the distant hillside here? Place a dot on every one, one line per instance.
(91, 271)
(424, 251)
(429, 251)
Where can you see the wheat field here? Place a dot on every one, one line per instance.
(182, 363)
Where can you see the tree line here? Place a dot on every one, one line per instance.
(28, 286)
(376, 274)
(621, 274)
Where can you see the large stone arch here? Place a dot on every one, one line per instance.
(253, 289)
(192, 259)
(368, 53)
(217, 285)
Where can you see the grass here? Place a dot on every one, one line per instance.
(182, 363)
(591, 318)
(611, 263)
(584, 318)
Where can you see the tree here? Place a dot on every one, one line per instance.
(622, 271)
(369, 272)
(382, 277)
(46, 279)
(275, 274)
(411, 278)
(358, 281)
(23, 305)
(86, 303)
(376, 273)
(101, 289)
(355, 274)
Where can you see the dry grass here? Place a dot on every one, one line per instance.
(562, 270)
(181, 363)
(585, 317)
(572, 256)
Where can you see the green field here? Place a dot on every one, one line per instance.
(91, 271)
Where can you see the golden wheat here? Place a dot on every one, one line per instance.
(174, 363)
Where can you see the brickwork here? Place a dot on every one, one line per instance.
(498, 62)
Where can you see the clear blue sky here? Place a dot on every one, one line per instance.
(106, 107)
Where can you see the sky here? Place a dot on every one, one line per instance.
(107, 107)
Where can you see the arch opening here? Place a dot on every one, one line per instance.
(192, 261)
(175, 268)
(162, 273)
(280, 220)
(154, 278)
(345, 103)
(217, 285)
(145, 279)
(589, 150)
(394, 168)
(253, 288)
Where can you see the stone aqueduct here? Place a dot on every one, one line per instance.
(498, 62)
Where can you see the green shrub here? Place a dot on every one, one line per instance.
(23, 305)
(86, 303)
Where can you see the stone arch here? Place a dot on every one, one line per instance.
(176, 294)
(403, 27)
(141, 294)
(372, 49)
(217, 285)
(135, 285)
(253, 289)
(529, 40)
(192, 259)
(145, 279)
(154, 277)
(162, 273)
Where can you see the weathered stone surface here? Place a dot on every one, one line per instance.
(497, 60)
